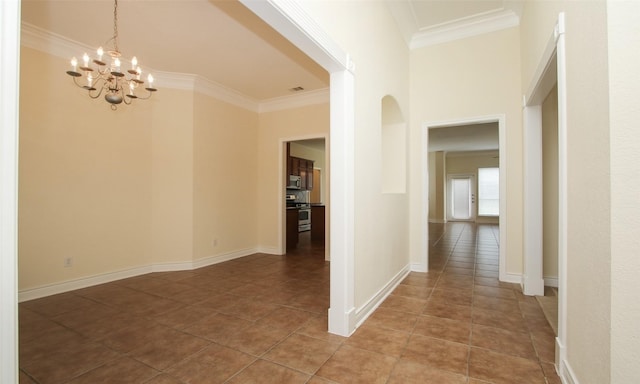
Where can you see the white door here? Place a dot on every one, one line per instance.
(462, 199)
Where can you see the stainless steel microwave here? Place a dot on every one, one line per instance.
(295, 182)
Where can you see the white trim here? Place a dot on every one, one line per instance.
(291, 21)
(423, 265)
(57, 45)
(269, 250)
(566, 373)
(84, 282)
(533, 282)
(9, 123)
(562, 185)
(342, 197)
(502, 143)
(419, 267)
(374, 302)
(551, 282)
(467, 27)
(552, 66)
(320, 96)
(513, 278)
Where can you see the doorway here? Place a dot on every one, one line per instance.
(466, 145)
(305, 221)
(461, 198)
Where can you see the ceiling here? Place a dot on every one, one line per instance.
(223, 41)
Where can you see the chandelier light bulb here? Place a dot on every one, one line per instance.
(138, 73)
(85, 59)
(100, 53)
(134, 63)
(150, 80)
(74, 64)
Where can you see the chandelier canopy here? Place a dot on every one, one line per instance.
(109, 77)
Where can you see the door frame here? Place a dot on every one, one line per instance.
(423, 266)
(551, 70)
(472, 196)
(290, 20)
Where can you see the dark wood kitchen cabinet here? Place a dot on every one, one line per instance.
(292, 228)
(297, 166)
(317, 222)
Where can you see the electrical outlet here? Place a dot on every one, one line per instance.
(68, 262)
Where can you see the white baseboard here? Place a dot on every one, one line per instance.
(85, 282)
(566, 373)
(270, 250)
(367, 309)
(532, 286)
(511, 278)
(551, 282)
(419, 267)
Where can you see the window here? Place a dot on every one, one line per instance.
(488, 191)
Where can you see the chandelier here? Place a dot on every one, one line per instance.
(118, 84)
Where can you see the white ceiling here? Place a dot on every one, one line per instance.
(223, 41)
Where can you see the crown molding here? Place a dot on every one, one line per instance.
(320, 96)
(46, 41)
(464, 28)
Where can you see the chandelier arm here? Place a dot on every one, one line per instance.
(75, 81)
(99, 90)
(146, 97)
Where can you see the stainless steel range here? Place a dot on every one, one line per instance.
(300, 200)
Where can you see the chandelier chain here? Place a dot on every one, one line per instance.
(115, 25)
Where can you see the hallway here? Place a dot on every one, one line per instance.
(262, 319)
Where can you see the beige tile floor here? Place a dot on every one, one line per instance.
(262, 319)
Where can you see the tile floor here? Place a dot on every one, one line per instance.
(262, 319)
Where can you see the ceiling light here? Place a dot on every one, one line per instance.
(110, 76)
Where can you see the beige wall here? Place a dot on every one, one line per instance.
(471, 78)
(550, 185)
(171, 180)
(84, 179)
(624, 83)
(368, 33)
(588, 211)
(172, 176)
(437, 181)
(226, 184)
(275, 129)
